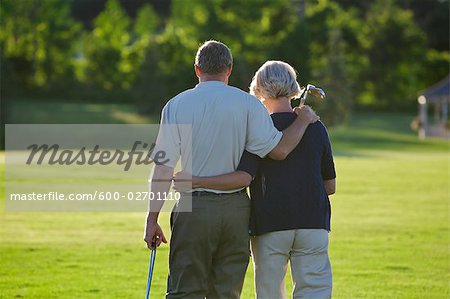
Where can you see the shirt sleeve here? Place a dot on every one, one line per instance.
(262, 136)
(249, 163)
(328, 170)
(167, 149)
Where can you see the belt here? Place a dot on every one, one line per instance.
(208, 193)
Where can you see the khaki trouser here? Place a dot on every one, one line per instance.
(307, 252)
(209, 248)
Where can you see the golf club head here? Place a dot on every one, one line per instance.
(315, 91)
(311, 89)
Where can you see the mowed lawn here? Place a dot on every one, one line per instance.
(389, 239)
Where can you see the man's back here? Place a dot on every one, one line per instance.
(225, 120)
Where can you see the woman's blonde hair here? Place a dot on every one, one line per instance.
(275, 79)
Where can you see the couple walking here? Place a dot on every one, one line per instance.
(238, 140)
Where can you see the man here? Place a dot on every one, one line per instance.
(209, 249)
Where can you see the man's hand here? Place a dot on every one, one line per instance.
(153, 235)
(183, 181)
(305, 113)
(294, 133)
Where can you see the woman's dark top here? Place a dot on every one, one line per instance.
(290, 194)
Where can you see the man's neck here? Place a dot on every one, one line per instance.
(206, 78)
(278, 105)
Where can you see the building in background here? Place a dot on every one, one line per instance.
(437, 97)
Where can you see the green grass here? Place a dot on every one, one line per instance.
(389, 239)
(26, 111)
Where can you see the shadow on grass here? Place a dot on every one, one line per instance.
(23, 111)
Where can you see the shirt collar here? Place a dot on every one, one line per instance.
(210, 83)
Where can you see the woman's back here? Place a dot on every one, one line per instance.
(290, 194)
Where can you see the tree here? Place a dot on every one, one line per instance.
(114, 51)
(435, 68)
(395, 48)
(335, 60)
(250, 28)
(294, 49)
(337, 107)
(37, 41)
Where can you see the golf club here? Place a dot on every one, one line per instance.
(311, 89)
(150, 269)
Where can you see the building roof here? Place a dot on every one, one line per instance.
(438, 90)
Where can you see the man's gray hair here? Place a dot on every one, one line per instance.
(213, 58)
(275, 79)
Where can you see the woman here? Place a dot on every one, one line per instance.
(290, 217)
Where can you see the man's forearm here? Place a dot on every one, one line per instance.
(229, 181)
(160, 182)
(291, 137)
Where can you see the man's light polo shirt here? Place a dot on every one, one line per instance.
(224, 121)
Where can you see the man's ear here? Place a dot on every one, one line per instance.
(229, 71)
(197, 71)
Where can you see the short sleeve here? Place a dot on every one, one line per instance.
(327, 163)
(168, 143)
(262, 136)
(249, 163)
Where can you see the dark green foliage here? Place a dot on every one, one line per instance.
(38, 40)
(375, 54)
(115, 49)
(395, 48)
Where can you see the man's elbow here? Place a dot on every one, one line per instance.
(162, 172)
